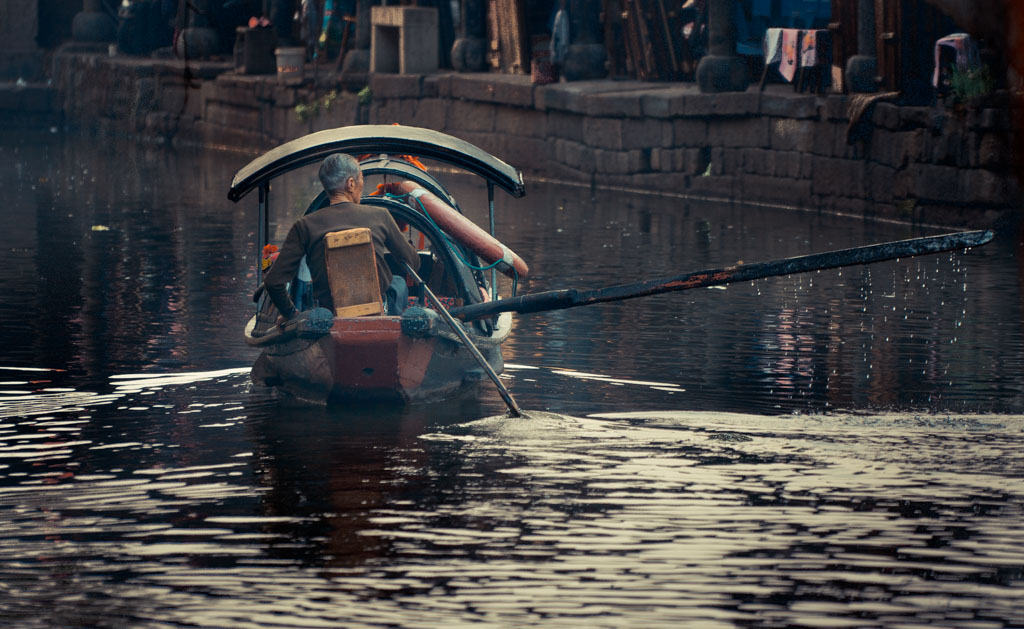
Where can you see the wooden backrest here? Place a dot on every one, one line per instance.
(352, 273)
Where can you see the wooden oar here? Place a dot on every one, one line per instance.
(570, 298)
(513, 408)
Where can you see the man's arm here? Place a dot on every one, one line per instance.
(283, 271)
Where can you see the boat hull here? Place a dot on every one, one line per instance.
(371, 358)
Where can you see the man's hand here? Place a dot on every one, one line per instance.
(281, 319)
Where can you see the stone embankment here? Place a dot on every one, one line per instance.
(923, 164)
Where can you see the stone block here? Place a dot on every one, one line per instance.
(995, 119)
(758, 162)
(395, 85)
(471, 116)
(284, 96)
(747, 132)
(886, 147)
(920, 117)
(737, 103)
(505, 89)
(993, 150)
(523, 152)
(656, 160)
(613, 104)
(838, 177)
(807, 165)
(555, 97)
(562, 172)
(664, 103)
(646, 133)
(227, 115)
(788, 134)
(717, 161)
(834, 107)
(654, 182)
(444, 85)
(613, 162)
(986, 187)
(639, 160)
(779, 105)
(935, 183)
(878, 180)
(694, 161)
(787, 164)
(764, 189)
(343, 111)
(515, 90)
(698, 105)
(603, 133)
(565, 125)
(429, 86)
(580, 157)
(948, 148)
(828, 138)
(691, 132)
(713, 187)
(486, 141)
(431, 114)
(886, 116)
(521, 122)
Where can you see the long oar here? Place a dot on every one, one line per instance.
(513, 408)
(570, 297)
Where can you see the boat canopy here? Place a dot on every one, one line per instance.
(376, 139)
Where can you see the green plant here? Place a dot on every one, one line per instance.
(305, 111)
(965, 85)
(365, 95)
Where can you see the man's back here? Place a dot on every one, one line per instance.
(306, 237)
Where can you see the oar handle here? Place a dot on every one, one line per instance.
(569, 298)
(510, 402)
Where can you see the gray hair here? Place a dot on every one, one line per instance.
(336, 169)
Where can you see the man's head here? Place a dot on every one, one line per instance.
(340, 174)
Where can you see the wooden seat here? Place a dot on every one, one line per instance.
(352, 273)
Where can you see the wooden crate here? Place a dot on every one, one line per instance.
(352, 273)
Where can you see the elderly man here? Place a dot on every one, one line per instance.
(343, 180)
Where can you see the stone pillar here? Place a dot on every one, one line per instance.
(20, 58)
(722, 70)
(357, 60)
(198, 40)
(468, 50)
(862, 68)
(586, 56)
(92, 24)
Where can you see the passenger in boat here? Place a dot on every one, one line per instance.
(343, 180)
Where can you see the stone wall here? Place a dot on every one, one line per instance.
(922, 164)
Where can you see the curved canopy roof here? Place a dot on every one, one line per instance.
(363, 139)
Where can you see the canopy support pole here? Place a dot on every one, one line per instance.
(262, 230)
(490, 211)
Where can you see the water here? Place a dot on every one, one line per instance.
(833, 449)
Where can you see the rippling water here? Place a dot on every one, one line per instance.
(834, 449)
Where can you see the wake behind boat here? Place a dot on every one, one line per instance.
(356, 352)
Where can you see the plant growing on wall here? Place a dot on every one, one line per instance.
(307, 111)
(966, 85)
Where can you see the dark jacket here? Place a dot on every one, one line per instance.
(306, 238)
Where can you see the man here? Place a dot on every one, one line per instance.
(343, 180)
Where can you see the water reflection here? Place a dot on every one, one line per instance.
(237, 513)
(143, 482)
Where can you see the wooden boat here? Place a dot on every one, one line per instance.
(320, 357)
